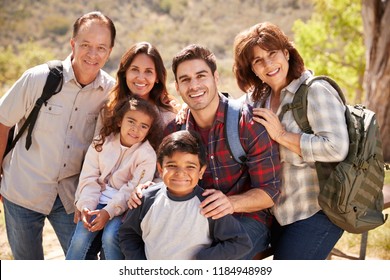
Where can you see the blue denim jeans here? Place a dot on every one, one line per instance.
(259, 234)
(24, 229)
(82, 240)
(309, 239)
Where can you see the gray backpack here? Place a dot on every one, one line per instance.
(350, 191)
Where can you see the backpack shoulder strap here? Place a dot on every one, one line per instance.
(54, 80)
(232, 118)
(52, 86)
(299, 103)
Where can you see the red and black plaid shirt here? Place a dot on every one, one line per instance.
(261, 170)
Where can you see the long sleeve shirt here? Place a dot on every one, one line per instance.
(115, 167)
(170, 227)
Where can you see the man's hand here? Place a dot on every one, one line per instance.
(135, 197)
(216, 205)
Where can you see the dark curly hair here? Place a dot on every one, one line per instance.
(112, 119)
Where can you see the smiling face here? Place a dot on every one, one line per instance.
(197, 85)
(271, 67)
(181, 172)
(91, 49)
(134, 127)
(141, 76)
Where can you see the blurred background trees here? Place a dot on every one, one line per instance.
(348, 40)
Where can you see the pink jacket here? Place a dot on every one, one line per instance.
(121, 168)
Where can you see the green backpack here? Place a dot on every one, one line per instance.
(350, 191)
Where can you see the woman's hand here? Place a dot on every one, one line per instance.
(270, 121)
(276, 130)
(181, 116)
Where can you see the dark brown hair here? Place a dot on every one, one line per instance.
(112, 119)
(182, 141)
(192, 52)
(268, 37)
(159, 90)
(96, 15)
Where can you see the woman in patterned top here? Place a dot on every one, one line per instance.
(269, 68)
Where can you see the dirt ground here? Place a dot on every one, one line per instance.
(52, 248)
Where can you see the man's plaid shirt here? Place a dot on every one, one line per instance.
(261, 170)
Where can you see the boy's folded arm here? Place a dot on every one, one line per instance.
(230, 240)
(130, 236)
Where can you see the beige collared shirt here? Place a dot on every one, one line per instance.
(62, 134)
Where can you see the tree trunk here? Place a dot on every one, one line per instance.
(376, 22)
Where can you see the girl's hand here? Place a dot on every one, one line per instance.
(102, 217)
(270, 121)
(76, 216)
(86, 218)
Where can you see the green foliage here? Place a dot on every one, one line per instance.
(55, 25)
(168, 24)
(331, 43)
(14, 62)
(387, 177)
(378, 245)
(176, 8)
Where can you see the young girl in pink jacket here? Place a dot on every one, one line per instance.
(120, 158)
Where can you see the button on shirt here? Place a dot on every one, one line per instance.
(223, 173)
(62, 134)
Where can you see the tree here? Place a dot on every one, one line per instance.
(331, 43)
(349, 41)
(376, 22)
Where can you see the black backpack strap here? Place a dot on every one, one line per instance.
(52, 86)
(232, 118)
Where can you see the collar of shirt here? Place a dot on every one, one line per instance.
(99, 82)
(219, 115)
(295, 84)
